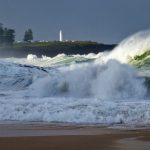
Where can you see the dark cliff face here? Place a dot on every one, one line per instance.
(53, 48)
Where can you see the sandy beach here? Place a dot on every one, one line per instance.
(71, 137)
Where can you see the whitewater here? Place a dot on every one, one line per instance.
(99, 88)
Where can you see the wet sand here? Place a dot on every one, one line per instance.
(70, 137)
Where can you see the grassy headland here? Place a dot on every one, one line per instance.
(53, 48)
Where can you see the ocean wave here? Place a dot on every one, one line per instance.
(95, 88)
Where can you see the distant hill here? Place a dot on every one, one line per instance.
(51, 49)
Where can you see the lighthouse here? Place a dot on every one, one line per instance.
(60, 36)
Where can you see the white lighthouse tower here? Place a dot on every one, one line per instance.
(60, 36)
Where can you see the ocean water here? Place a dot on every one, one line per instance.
(95, 88)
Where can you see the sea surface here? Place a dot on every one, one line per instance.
(99, 88)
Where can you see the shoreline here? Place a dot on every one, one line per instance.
(36, 136)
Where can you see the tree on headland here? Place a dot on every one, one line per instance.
(7, 36)
(28, 36)
(1, 33)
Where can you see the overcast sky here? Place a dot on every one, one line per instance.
(107, 21)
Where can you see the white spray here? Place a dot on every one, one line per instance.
(131, 46)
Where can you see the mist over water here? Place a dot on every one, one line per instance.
(94, 88)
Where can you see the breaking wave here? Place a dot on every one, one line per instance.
(94, 88)
(134, 45)
(108, 81)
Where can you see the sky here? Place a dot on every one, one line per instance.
(105, 21)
